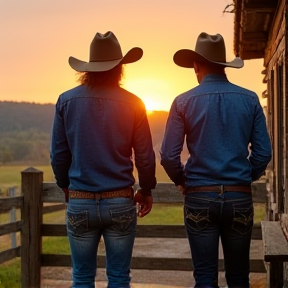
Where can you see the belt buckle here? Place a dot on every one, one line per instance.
(97, 196)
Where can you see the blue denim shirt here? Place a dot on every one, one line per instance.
(93, 136)
(219, 120)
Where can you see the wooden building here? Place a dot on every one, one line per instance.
(260, 31)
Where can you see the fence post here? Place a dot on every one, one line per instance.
(12, 218)
(31, 215)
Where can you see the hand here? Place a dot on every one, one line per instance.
(182, 189)
(66, 192)
(144, 203)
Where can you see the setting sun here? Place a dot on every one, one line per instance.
(149, 104)
(155, 94)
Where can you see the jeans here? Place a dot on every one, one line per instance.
(209, 216)
(87, 220)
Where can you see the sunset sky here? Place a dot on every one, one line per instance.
(37, 38)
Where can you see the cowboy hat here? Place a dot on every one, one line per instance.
(209, 48)
(105, 54)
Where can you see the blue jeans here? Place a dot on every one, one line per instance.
(209, 216)
(87, 220)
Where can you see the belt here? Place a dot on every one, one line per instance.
(220, 188)
(126, 193)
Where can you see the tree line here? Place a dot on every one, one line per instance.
(25, 131)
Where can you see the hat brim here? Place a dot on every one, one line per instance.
(131, 56)
(186, 58)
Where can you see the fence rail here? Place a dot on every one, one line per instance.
(36, 194)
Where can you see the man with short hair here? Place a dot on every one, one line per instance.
(229, 147)
(97, 126)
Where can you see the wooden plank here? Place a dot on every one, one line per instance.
(143, 231)
(164, 193)
(256, 232)
(277, 32)
(274, 242)
(52, 193)
(53, 208)
(146, 263)
(9, 254)
(10, 227)
(6, 204)
(53, 230)
(259, 191)
(31, 214)
(161, 231)
(256, 36)
(264, 6)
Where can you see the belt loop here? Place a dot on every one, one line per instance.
(221, 189)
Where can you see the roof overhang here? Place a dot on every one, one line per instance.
(252, 24)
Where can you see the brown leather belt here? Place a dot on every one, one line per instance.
(220, 188)
(126, 193)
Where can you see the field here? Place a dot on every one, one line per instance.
(10, 176)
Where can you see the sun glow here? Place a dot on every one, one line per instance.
(154, 93)
(149, 104)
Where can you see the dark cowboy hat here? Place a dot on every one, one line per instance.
(209, 48)
(105, 54)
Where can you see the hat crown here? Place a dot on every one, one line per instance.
(212, 47)
(105, 47)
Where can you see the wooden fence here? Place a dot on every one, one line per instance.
(35, 193)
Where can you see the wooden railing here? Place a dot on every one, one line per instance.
(35, 193)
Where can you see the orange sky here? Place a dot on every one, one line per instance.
(37, 38)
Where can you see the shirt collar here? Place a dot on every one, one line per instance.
(214, 78)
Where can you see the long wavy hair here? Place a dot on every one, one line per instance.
(111, 77)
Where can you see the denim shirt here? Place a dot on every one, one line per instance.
(94, 134)
(219, 120)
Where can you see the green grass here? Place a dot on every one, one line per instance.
(10, 176)
(10, 274)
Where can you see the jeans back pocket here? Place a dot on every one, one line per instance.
(77, 221)
(243, 218)
(124, 220)
(196, 218)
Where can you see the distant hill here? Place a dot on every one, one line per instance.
(25, 125)
(23, 116)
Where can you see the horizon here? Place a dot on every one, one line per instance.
(53, 104)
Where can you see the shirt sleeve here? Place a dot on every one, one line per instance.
(60, 153)
(172, 146)
(143, 152)
(261, 151)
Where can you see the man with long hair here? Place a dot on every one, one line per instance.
(98, 128)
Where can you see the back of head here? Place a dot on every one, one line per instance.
(111, 78)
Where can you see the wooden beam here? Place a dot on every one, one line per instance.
(164, 192)
(274, 241)
(143, 231)
(269, 10)
(9, 254)
(257, 36)
(147, 263)
(261, 6)
(31, 214)
(247, 55)
(7, 204)
(10, 227)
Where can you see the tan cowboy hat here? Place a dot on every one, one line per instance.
(105, 54)
(209, 48)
